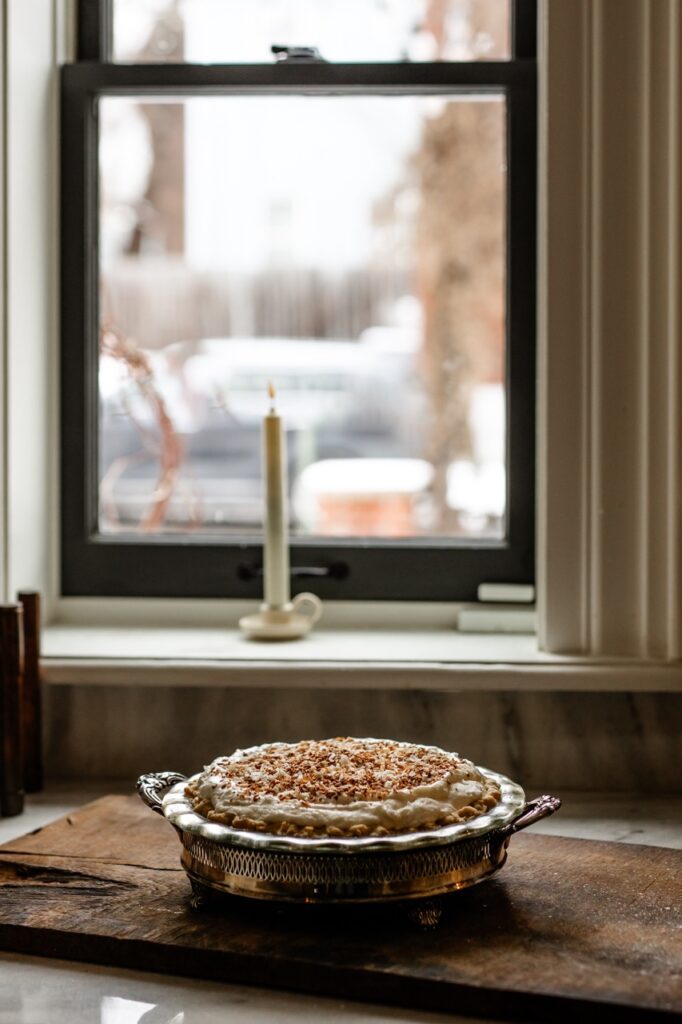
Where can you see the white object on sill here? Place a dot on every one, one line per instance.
(512, 593)
(288, 622)
(497, 619)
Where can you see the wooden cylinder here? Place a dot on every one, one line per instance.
(31, 705)
(11, 657)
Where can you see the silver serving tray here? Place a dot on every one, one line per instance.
(415, 866)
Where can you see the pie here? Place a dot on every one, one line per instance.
(341, 787)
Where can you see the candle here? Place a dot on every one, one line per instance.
(276, 549)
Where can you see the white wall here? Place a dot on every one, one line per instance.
(30, 191)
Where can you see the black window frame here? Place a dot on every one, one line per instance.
(132, 565)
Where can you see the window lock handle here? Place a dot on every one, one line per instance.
(296, 54)
(335, 571)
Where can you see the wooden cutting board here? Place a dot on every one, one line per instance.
(569, 927)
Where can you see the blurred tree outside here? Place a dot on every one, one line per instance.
(460, 257)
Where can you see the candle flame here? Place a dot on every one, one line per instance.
(271, 391)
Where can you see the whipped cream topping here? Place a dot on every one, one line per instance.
(340, 784)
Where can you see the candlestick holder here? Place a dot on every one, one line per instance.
(288, 622)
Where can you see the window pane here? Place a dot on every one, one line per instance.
(349, 249)
(242, 31)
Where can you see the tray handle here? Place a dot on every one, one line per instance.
(151, 785)
(540, 807)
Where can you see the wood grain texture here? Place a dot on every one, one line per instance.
(569, 927)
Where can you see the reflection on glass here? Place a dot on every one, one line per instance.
(351, 250)
(117, 1010)
(242, 31)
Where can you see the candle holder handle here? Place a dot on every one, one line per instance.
(306, 600)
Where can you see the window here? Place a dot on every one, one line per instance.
(356, 224)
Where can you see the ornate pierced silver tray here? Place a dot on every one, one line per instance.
(412, 866)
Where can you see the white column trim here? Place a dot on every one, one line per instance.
(609, 368)
(564, 325)
(3, 307)
(674, 277)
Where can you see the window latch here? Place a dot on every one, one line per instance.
(335, 571)
(297, 54)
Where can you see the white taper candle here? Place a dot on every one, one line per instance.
(276, 591)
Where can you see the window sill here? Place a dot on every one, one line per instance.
(341, 657)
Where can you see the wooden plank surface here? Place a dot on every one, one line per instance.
(568, 927)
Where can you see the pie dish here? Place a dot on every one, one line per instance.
(418, 863)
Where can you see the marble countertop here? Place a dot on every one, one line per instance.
(41, 991)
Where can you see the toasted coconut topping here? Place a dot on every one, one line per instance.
(332, 771)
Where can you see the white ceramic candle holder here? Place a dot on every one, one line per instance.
(290, 622)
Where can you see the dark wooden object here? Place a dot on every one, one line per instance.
(31, 704)
(570, 929)
(11, 657)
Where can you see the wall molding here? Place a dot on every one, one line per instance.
(609, 329)
(452, 677)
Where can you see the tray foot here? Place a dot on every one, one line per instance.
(425, 914)
(201, 895)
